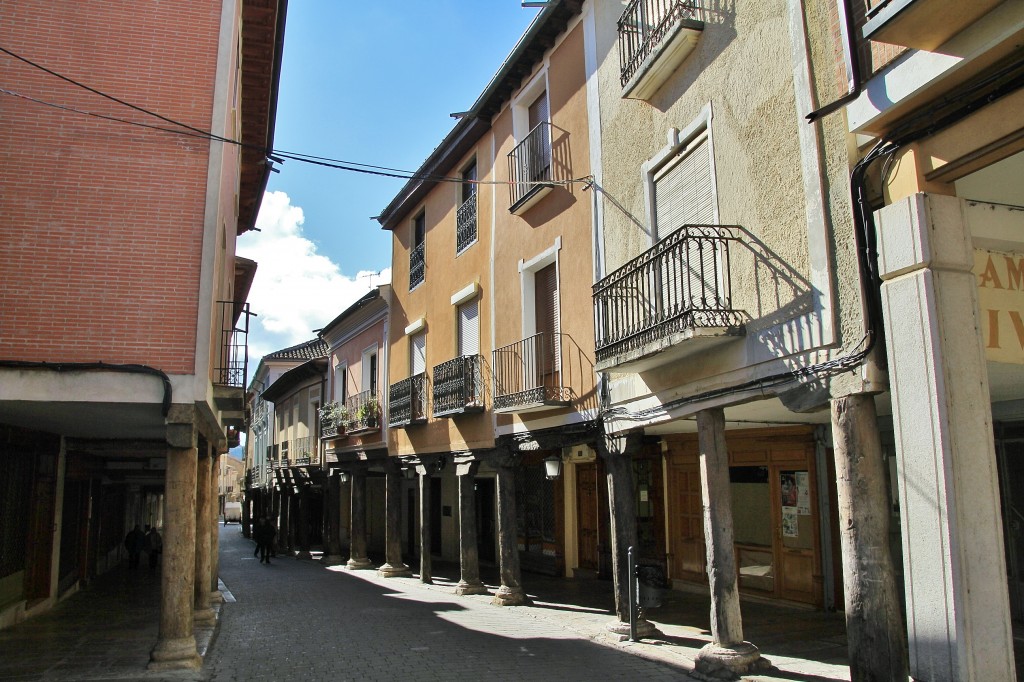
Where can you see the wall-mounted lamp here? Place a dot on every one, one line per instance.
(343, 477)
(553, 467)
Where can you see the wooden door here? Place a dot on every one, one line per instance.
(586, 515)
(546, 311)
(796, 508)
(686, 521)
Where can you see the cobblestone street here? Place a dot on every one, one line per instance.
(299, 620)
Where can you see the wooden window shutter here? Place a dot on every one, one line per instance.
(682, 192)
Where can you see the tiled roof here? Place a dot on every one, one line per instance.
(307, 350)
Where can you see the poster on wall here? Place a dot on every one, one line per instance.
(788, 488)
(803, 494)
(790, 529)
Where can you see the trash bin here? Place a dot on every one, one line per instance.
(650, 585)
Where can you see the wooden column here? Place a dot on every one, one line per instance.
(247, 503)
(617, 452)
(284, 531)
(469, 553)
(426, 568)
(332, 522)
(215, 595)
(511, 591)
(357, 550)
(874, 625)
(176, 644)
(204, 505)
(393, 564)
(302, 525)
(727, 653)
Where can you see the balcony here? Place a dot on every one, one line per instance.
(458, 386)
(417, 266)
(407, 401)
(655, 37)
(673, 300)
(465, 224)
(232, 361)
(922, 24)
(529, 169)
(528, 375)
(363, 410)
(333, 416)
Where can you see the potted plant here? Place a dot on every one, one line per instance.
(369, 412)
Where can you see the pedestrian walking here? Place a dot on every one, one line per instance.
(257, 535)
(265, 533)
(154, 547)
(134, 542)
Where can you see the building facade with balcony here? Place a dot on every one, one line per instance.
(296, 458)
(138, 401)
(935, 108)
(353, 429)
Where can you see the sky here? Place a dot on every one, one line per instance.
(370, 83)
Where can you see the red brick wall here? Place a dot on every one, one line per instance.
(102, 222)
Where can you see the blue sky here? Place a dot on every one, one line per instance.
(370, 83)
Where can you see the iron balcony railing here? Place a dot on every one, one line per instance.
(465, 224)
(644, 24)
(417, 266)
(528, 373)
(458, 386)
(682, 282)
(332, 420)
(363, 411)
(301, 448)
(407, 401)
(529, 165)
(233, 352)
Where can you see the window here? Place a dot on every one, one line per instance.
(369, 370)
(417, 262)
(530, 160)
(683, 193)
(418, 353)
(469, 328)
(465, 216)
(340, 383)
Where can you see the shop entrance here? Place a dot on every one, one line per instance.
(1010, 454)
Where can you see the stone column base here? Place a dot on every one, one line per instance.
(303, 554)
(394, 571)
(358, 564)
(216, 597)
(175, 654)
(644, 628)
(332, 559)
(715, 663)
(204, 616)
(510, 596)
(470, 588)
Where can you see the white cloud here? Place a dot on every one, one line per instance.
(296, 289)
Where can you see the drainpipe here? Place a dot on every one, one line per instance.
(847, 29)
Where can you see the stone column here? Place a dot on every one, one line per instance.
(874, 625)
(332, 524)
(204, 504)
(357, 545)
(215, 595)
(727, 653)
(176, 644)
(302, 500)
(511, 591)
(393, 564)
(469, 553)
(284, 541)
(617, 451)
(426, 568)
(954, 567)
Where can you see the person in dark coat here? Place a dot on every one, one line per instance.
(154, 547)
(265, 533)
(134, 542)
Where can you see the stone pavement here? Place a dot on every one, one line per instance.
(301, 620)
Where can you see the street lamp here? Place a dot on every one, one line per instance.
(343, 477)
(553, 467)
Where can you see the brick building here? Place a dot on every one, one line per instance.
(123, 314)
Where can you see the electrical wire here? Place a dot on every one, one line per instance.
(191, 131)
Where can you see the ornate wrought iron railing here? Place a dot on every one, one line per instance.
(363, 411)
(407, 401)
(644, 25)
(682, 282)
(458, 386)
(301, 448)
(465, 224)
(529, 373)
(417, 266)
(529, 164)
(233, 356)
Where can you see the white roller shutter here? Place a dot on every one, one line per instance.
(469, 328)
(682, 189)
(418, 353)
